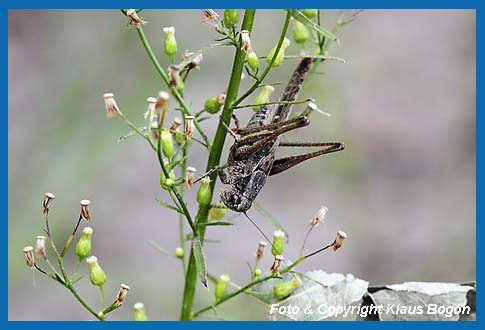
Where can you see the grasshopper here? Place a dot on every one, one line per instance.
(252, 156)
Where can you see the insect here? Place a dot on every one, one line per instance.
(252, 156)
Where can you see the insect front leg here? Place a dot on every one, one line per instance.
(282, 164)
(220, 171)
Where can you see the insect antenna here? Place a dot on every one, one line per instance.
(259, 229)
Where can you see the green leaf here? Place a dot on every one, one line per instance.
(420, 301)
(299, 16)
(169, 206)
(318, 289)
(214, 223)
(200, 261)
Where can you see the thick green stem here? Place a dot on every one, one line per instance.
(214, 159)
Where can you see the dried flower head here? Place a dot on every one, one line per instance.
(189, 126)
(189, 177)
(174, 72)
(111, 105)
(176, 123)
(320, 216)
(245, 41)
(260, 251)
(162, 101)
(275, 268)
(133, 18)
(40, 246)
(48, 197)
(339, 240)
(85, 213)
(210, 14)
(150, 113)
(29, 256)
(120, 297)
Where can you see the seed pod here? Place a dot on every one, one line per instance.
(221, 286)
(281, 54)
(167, 143)
(83, 246)
(253, 61)
(85, 213)
(275, 267)
(339, 240)
(300, 32)
(204, 192)
(120, 297)
(40, 246)
(231, 17)
(96, 273)
(29, 256)
(278, 242)
(260, 251)
(170, 44)
(281, 290)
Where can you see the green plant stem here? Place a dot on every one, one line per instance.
(214, 159)
(79, 261)
(248, 286)
(270, 65)
(102, 296)
(166, 79)
(71, 288)
(182, 193)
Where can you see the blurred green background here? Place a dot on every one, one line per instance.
(403, 190)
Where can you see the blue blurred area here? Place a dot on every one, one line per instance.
(403, 190)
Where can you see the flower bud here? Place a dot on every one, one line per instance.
(231, 17)
(29, 256)
(40, 246)
(339, 240)
(167, 143)
(278, 242)
(300, 32)
(189, 127)
(221, 286)
(204, 192)
(253, 61)
(120, 297)
(133, 18)
(245, 41)
(179, 252)
(263, 97)
(281, 54)
(257, 272)
(310, 13)
(167, 183)
(213, 104)
(48, 197)
(170, 45)
(218, 211)
(83, 246)
(85, 213)
(275, 268)
(139, 312)
(318, 219)
(96, 273)
(260, 252)
(281, 290)
(111, 105)
(189, 176)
